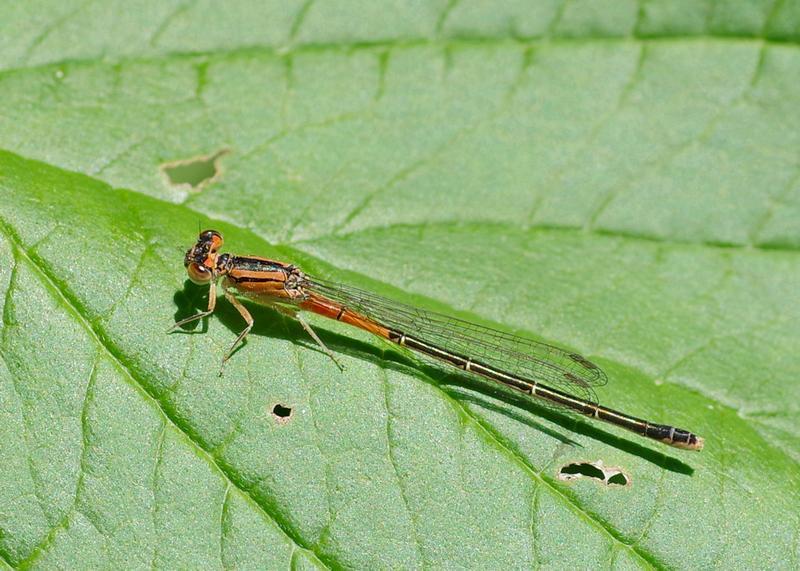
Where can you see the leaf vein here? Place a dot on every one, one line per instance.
(167, 21)
(52, 27)
(26, 436)
(594, 132)
(660, 162)
(390, 451)
(299, 19)
(506, 226)
(351, 47)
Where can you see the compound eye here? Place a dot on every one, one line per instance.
(216, 243)
(198, 274)
(213, 238)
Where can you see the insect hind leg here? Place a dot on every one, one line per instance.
(313, 334)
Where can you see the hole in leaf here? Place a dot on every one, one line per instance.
(607, 475)
(583, 469)
(194, 173)
(618, 480)
(281, 413)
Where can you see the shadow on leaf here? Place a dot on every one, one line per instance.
(270, 323)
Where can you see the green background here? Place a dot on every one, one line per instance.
(619, 178)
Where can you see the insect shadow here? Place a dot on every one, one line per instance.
(459, 386)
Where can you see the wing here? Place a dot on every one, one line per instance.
(525, 358)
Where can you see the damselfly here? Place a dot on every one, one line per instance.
(553, 375)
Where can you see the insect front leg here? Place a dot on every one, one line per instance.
(212, 302)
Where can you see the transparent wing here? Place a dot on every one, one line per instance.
(525, 358)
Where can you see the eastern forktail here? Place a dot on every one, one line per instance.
(537, 369)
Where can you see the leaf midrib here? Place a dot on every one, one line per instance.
(347, 48)
(504, 226)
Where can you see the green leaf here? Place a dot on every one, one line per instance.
(617, 178)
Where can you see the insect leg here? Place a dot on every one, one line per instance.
(296, 315)
(212, 302)
(247, 317)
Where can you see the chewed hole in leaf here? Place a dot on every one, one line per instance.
(194, 173)
(282, 413)
(607, 475)
(619, 479)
